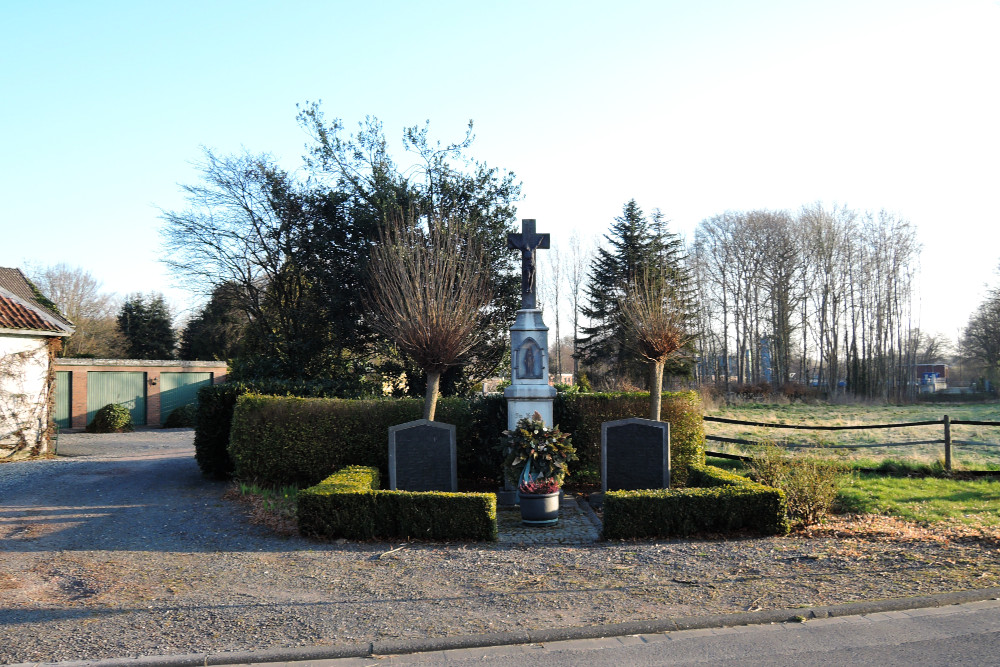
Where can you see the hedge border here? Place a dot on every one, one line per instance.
(349, 504)
(715, 501)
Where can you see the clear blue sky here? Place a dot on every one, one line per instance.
(690, 107)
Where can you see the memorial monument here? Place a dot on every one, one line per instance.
(529, 389)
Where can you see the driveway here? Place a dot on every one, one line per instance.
(119, 547)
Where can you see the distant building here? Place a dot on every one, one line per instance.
(930, 378)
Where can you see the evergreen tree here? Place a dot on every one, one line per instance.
(146, 324)
(216, 333)
(638, 248)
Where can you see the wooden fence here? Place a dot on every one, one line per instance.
(946, 423)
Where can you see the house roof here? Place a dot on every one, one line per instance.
(24, 309)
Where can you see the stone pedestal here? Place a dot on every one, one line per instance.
(529, 391)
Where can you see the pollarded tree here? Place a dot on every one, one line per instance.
(656, 322)
(428, 291)
(147, 326)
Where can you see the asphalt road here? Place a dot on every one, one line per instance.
(955, 635)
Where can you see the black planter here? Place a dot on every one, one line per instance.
(539, 509)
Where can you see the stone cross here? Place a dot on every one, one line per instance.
(527, 242)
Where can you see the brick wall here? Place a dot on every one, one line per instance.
(80, 367)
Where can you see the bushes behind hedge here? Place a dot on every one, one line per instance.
(215, 417)
(276, 441)
(722, 502)
(349, 504)
(583, 414)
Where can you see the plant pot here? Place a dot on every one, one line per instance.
(539, 509)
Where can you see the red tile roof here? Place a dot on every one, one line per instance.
(18, 286)
(16, 315)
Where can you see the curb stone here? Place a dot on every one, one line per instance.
(654, 626)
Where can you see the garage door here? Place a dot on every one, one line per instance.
(64, 390)
(177, 389)
(125, 387)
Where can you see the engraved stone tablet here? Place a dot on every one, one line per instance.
(635, 454)
(422, 457)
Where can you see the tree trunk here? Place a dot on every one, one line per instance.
(655, 389)
(431, 397)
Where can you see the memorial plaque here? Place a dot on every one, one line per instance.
(635, 454)
(422, 457)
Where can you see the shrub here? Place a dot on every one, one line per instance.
(186, 416)
(716, 501)
(349, 504)
(810, 486)
(582, 415)
(276, 441)
(112, 418)
(215, 416)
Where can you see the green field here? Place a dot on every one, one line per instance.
(832, 443)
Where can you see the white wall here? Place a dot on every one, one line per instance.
(24, 366)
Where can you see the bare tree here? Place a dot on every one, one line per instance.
(78, 296)
(576, 272)
(428, 293)
(656, 320)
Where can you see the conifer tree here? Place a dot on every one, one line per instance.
(637, 246)
(147, 326)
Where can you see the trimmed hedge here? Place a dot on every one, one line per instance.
(716, 501)
(215, 417)
(277, 441)
(349, 504)
(582, 416)
(361, 426)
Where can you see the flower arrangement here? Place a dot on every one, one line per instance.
(539, 487)
(538, 456)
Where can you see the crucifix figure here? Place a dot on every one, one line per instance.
(527, 242)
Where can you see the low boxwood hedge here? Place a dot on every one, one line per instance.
(349, 504)
(716, 501)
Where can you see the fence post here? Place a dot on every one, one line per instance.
(947, 443)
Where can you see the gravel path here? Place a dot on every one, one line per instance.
(121, 548)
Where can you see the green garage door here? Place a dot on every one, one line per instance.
(125, 387)
(64, 391)
(177, 389)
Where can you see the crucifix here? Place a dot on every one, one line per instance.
(527, 242)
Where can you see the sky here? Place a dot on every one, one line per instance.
(693, 108)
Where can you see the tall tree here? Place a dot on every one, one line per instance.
(79, 297)
(294, 257)
(443, 184)
(217, 332)
(981, 338)
(146, 324)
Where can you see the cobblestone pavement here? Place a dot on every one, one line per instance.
(578, 524)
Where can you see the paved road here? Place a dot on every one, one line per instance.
(955, 635)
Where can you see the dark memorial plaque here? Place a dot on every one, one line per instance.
(422, 457)
(635, 454)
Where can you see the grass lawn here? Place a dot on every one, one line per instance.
(971, 457)
(924, 499)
